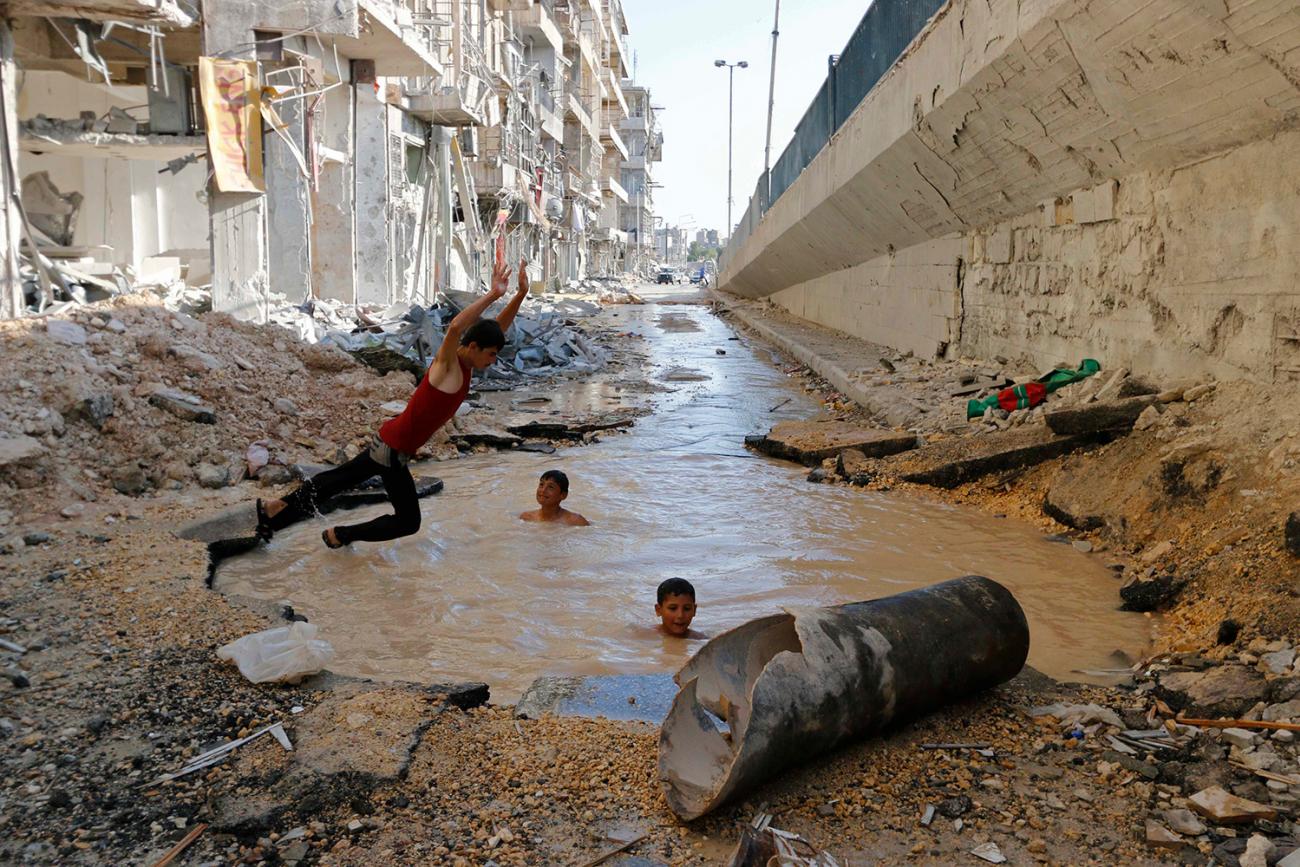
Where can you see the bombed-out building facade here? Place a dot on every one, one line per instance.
(363, 151)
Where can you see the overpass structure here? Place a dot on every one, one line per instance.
(1048, 179)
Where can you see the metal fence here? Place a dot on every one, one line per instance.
(881, 37)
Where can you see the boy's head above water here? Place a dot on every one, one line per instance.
(552, 488)
(675, 606)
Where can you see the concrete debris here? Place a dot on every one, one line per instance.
(1160, 837)
(811, 442)
(544, 340)
(1150, 593)
(1220, 806)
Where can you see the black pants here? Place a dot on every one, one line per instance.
(405, 520)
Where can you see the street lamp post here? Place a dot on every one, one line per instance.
(731, 102)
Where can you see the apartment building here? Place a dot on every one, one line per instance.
(366, 151)
(644, 142)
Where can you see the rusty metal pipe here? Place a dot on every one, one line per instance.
(782, 689)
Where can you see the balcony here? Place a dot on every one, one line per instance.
(610, 136)
(574, 107)
(635, 164)
(447, 106)
(538, 22)
(615, 189)
(615, 101)
(386, 32)
(635, 123)
(490, 178)
(604, 234)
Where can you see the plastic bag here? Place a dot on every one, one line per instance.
(285, 654)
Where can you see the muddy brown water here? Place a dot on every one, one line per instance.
(480, 595)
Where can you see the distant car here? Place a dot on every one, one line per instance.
(665, 276)
(697, 277)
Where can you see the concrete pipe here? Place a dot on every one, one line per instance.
(782, 689)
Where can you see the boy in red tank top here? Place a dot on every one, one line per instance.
(469, 345)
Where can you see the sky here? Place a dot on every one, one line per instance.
(675, 44)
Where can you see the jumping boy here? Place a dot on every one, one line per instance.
(469, 345)
(552, 490)
(675, 608)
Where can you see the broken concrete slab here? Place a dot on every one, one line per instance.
(853, 465)
(183, 405)
(1218, 805)
(811, 442)
(1118, 415)
(1160, 837)
(1150, 594)
(644, 697)
(491, 439)
(1222, 691)
(952, 462)
(372, 492)
(19, 450)
(1075, 500)
(565, 429)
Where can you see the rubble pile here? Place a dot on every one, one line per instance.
(1211, 738)
(127, 397)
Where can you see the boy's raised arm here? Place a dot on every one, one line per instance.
(446, 358)
(507, 316)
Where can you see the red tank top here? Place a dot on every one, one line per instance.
(426, 411)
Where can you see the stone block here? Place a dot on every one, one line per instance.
(811, 442)
(1118, 415)
(1218, 805)
(183, 406)
(998, 247)
(643, 697)
(952, 462)
(1223, 691)
(1150, 594)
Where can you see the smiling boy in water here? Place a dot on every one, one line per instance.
(676, 608)
(552, 490)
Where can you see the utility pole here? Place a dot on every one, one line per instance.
(731, 105)
(771, 101)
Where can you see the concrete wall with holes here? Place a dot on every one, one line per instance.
(1056, 179)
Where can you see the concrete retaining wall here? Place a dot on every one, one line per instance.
(1114, 178)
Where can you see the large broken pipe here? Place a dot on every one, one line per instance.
(782, 689)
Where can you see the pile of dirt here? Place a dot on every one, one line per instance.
(127, 396)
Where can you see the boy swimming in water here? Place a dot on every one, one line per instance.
(552, 490)
(469, 345)
(676, 608)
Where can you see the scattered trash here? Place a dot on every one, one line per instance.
(1078, 714)
(605, 856)
(762, 845)
(1031, 394)
(989, 852)
(284, 654)
(183, 844)
(212, 756)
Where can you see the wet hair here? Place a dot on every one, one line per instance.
(559, 478)
(486, 333)
(675, 587)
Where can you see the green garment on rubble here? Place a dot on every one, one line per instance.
(1053, 380)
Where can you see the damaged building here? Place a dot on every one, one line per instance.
(364, 152)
